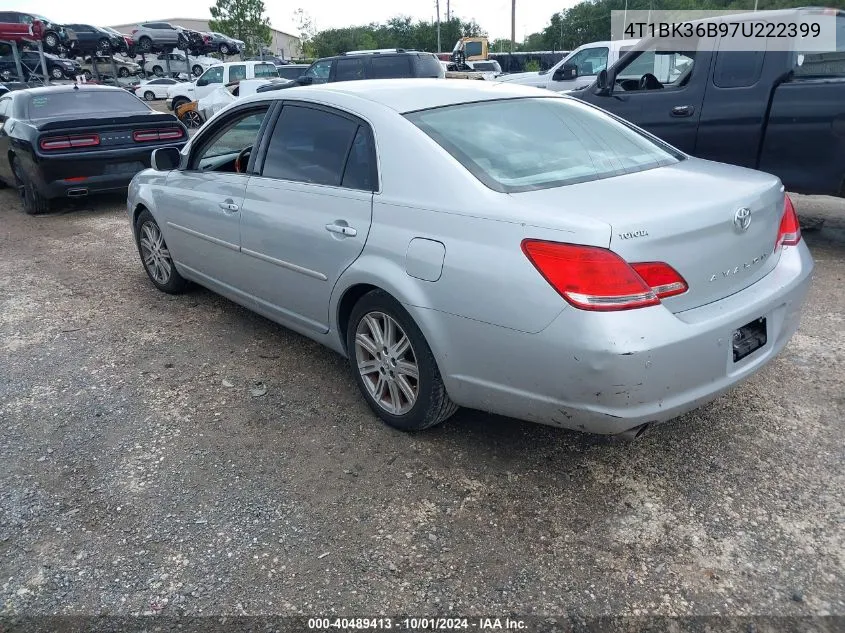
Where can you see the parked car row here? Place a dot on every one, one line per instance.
(79, 40)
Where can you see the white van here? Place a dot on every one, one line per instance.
(576, 70)
(216, 76)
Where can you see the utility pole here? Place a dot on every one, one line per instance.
(448, 12)
(513, 24)
(439, 49)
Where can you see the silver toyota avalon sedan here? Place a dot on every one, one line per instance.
(482, 245)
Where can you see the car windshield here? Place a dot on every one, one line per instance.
(83, 102)
(532, 143)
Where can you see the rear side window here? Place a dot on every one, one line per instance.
(349, 69)
(831, 64)
(360, 171)
(266, 70)
(83, 102)
(237, 72)
(390, 67)
(738, 69)
(518, 145)
(309, 145)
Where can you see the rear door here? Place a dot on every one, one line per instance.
(733, 114)
(661, 90)
(804, 142)
(307, 212)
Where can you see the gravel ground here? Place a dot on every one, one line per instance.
(180, 455)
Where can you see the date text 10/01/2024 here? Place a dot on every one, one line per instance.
(414, 624)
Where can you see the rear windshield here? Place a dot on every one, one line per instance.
(84, 102)
(518, 145)
(428, 66)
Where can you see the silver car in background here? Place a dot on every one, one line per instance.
(484, 245)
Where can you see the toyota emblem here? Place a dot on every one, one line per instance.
(742, 219)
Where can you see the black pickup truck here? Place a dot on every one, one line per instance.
(776, 110)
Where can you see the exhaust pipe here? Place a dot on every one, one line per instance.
(77, 193)
(632, 434)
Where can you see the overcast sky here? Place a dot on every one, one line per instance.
(493, 15)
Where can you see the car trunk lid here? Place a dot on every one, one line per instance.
(714, 224)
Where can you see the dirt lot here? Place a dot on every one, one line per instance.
(143, 471)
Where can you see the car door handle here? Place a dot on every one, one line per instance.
(685, 110)
(229, 205)
(343, 229)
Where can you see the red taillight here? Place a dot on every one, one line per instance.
(68, 142)
(662, 278)
(589, 277)
(593, 278)
(144, 136)
(789, 233)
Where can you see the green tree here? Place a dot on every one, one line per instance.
(243, 20)
(307, 31)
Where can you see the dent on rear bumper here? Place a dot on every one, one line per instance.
(610, 372)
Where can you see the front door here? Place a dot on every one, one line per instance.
(307, 212)
(662, 89)
(202, 204)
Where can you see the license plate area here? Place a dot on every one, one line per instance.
(749, 338)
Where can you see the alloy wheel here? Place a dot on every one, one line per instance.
(386, 362)
(155, 254)
(192, 119)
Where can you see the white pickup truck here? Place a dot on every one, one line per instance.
(576, 70)
(217, 76)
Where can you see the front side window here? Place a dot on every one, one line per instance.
(669, 67)
(590, 61)
(213, 75)
(320, 70)
(349, 69)
(518, 145)
(309, 145)
(392, 67)
(231, 137)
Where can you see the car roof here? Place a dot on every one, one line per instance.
(408, 95)
(70, 88)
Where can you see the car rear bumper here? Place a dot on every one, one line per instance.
(614, 371)
(78, 176)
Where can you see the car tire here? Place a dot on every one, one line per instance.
(57, 73)
(123, 71)
(192, 119)
(149, 95)
(103, 47)
(224, 49)
(51, 40)
(178, 102)
(87, 74)
(31, 199)
(155, 257)
(158, 71)
(145, 45)
(196, 70)
(413, 404)
(181, 42)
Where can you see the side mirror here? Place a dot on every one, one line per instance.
(304, 80)
(602, 84)
(165, 158)
(565, 73)
(202, 82)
